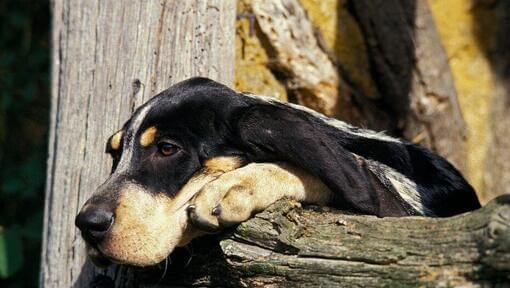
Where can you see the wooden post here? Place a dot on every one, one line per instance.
(108, 58)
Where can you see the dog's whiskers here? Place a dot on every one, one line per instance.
(167, 259)
(189, 248)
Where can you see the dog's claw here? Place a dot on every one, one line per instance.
(200, 223)
(216, 211)
(191, 209)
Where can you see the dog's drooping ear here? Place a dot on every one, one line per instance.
(343, 157)
(265, 128)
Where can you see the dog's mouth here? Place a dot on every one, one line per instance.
(97, 257)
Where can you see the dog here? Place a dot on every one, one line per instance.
(199, 157)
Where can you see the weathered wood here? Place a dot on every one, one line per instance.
(411, 71)
(418, 99)
(310, 72)
(290, 246)
(108, 58)
(492, 26)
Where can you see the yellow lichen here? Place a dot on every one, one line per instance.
(251, 71)
(343, 37)
(473, 79)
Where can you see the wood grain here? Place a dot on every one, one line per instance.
(291, 246)
(309, 73)
(411, 71)
(108, 58)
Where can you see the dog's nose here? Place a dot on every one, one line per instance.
(94, 223)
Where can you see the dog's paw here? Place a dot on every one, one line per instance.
(229, 200)
(236, 195)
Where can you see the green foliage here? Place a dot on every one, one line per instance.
(24, 102)
(11, 256)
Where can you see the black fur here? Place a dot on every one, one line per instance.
(206, 119)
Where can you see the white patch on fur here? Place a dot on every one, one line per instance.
(407, 189)
(331, 121)
(127, 153)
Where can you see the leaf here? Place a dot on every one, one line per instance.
(11, 256)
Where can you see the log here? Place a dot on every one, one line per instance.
(292, 246)
(108, 58)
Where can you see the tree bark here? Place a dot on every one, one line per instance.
(310, 72)
(493, 24)
(411, 71)
(108, 58)
(417, 98)
(291, 246)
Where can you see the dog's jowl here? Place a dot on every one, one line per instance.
(199, 157)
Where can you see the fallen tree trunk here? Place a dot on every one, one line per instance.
(289, 246)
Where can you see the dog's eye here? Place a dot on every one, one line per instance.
(167, 148)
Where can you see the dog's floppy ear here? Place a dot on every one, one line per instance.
(274, 131)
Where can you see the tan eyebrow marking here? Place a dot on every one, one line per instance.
(148, 136)
(115, 140)
(223, 163)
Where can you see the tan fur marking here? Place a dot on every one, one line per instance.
(115, 140)
(223, 163)
(148, 136)
(148, 227)
(254, 187)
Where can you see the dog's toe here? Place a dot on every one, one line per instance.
(237, 195)
(201, 223)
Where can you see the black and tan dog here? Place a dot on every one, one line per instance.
(200, 156)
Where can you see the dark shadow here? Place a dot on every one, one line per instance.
(24, 117)
(491, 28)
(201, 263)
(205, 266)
(88, 275)
(388, 30)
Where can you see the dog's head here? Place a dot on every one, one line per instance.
(163, 155)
